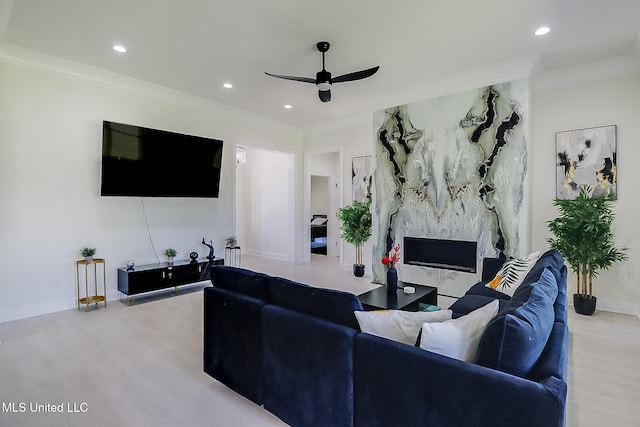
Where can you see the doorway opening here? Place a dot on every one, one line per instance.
(264, 208)
(325, 192)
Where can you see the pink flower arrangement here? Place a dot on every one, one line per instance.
(393, 257)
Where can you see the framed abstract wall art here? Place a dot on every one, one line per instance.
(586, 157)
(361, 178)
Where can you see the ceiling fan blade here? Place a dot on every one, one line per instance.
(324, 95)
(294, 78)
(362, 74)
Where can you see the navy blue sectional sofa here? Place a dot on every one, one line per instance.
(298, 351)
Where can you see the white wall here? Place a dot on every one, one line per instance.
(319, 195)
(265, 211)
(596, 102)
(50, 146)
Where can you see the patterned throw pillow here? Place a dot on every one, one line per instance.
(513, 273)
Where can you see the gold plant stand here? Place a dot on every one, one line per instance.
(95, 298)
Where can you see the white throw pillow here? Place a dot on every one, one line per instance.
(458, 338)
(513, 273)
(398, 325)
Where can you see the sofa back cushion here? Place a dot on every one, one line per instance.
(328, 304)
(550, 259)
(242, 281)
(514, 340)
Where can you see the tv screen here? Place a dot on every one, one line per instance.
(138, 161)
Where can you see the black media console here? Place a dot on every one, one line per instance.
(152, 277)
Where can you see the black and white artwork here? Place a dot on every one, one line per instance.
(361, 178)
(586, 157)
(454, 168)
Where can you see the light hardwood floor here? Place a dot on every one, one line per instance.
(141, 365)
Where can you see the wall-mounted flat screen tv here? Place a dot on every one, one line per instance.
(138, 161)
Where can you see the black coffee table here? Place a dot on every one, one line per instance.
(378, 299)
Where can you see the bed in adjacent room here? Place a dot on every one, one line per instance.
(319, 234)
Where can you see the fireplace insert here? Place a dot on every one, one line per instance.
(458, 255)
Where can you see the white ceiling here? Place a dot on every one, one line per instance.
(194, 46)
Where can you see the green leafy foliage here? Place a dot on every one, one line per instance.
(170, 252)
(86, 251)
(583, 235)
(356, 225)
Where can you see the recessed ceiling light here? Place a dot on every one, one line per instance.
(288, 106)
(542, 31)
(227, 85)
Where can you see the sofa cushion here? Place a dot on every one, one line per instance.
(490, 267)
(308, 369)
(242, 281)
(328, 304)
(513, 341)
(551, 259)
(458, 338)
(398, 325)
(512, 273)
(480, 289)
(469, 303)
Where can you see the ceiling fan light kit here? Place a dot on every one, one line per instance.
(323, 80)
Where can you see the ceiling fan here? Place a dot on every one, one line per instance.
(323, 80)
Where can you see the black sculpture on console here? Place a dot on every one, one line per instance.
(210, 256)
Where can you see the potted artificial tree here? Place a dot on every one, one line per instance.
(584, 237)
(356, 229)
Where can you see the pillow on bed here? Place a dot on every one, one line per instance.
(319, 221)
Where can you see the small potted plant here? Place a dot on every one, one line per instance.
(88, 254)
(356, 229)
(231, 242)
(170, 253)
(584, 237)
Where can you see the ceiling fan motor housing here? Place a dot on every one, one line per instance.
(323, 80)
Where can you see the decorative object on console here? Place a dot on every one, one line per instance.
(130, 264)
(88, 254)
(356, 229)
(583, 235)
(210, 246)
(586, 157)
(170, 254)
(392, 274)
(193, 256)
(513, 273)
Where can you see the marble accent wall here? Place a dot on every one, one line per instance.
(453, 167)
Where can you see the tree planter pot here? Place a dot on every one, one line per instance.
(358, 270)
(584, 305)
